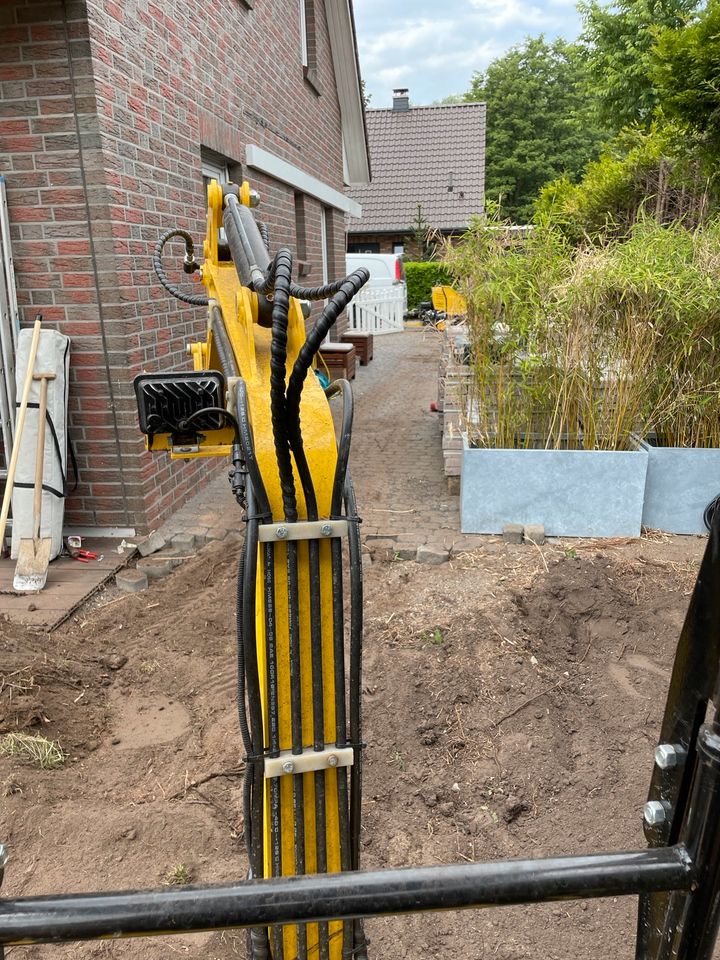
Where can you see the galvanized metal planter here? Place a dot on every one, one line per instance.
(573, 493)
(681, 482)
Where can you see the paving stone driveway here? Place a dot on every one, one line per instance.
(396, 459)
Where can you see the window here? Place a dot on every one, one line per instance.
(304, 33)
(324, 245)
(308, 43)
(363, 247)
(301, 236)
(214, 167)
(399, 248)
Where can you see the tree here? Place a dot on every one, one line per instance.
(421, 230)
(538, 125)
(618, 39)
(686, 73)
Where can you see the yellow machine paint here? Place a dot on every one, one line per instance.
(251, 346)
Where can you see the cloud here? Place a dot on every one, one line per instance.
(435, 56)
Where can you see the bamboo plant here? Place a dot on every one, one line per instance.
(585, 347)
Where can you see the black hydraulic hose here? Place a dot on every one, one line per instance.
(343, 387)
(220, 411)
(331, 311)
(278, 365)
(307, 352)
(341, 719)
(242, 710)
(296, 725)
(265, 234)
(194, 299)
(222, 343)
(273, 726)
(254, 763)
(257, 506)
(356, 629)
(344, 440)
(355, 693)
(248, 449)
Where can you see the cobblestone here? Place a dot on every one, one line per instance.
(131, 581)
(396, 458)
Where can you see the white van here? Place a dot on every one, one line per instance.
(386, 270)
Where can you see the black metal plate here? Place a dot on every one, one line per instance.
(166, 400)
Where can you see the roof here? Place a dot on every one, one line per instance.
(343, 47)
(432, 156)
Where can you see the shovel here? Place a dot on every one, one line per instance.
(19, 426)
(34, 555)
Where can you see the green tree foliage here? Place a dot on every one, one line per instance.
(640, 173)
(686, 73)
(618, 39)
(539, 125)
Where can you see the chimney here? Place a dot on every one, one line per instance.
(401, 99)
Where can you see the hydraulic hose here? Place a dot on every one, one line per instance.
(333, 309)
(350, 286)
(355, 678)
(343, 387)
(278, 362)
(194, 299)
(222, 343)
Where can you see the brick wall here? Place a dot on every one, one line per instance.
(145, 85)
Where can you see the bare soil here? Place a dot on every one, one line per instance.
(512, 703)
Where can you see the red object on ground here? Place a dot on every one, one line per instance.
(433, 407)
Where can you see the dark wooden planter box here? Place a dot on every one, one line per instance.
(363, 343)
(339, 358)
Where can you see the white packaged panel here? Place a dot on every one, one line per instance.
(53, 356)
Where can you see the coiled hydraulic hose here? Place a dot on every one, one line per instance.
(194, 299)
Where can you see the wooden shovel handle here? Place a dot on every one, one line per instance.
(19, 426)
(44, 379)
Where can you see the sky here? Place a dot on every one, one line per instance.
(407, 43)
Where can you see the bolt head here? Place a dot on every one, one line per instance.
(4, 857)
(655, 812)
(332, 760)
(288, 766)
(282, 533)
(667, 755)
(326, 529)
(254, 198)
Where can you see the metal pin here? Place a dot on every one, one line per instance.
(326, 530)
(282, 533)
(288, 766)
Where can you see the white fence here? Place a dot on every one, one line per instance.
(378, 309)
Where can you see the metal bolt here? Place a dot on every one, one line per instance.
(326, 529)
(332, 760)
(4, 857)
(669, 755)
(282, 533)
(188, 349)
(254, 198)
(288, 766)
(655, 812)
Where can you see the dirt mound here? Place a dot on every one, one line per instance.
(510, 710)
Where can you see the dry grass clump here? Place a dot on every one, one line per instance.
(36, 749)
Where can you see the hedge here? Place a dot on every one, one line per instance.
(421, 278)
